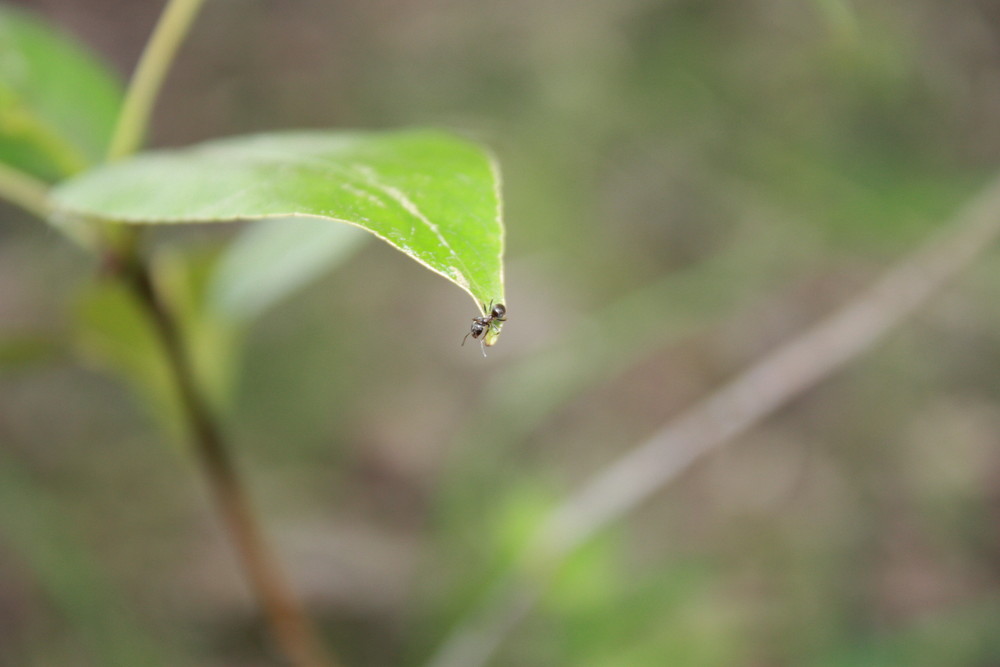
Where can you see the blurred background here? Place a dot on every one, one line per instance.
(687, 184)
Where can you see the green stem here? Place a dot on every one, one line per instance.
(26, 191)
(149, 74)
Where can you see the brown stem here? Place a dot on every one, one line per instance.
(288, 624)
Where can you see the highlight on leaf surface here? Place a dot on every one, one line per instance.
(431, 194)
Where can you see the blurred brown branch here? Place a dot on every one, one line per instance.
(287, 620)
(735, 408)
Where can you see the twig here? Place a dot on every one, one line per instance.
(732, 410)
(288, 623)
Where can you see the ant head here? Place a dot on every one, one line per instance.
(476, 330)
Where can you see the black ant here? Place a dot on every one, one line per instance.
(481, 325)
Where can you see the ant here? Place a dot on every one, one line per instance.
(481, 325)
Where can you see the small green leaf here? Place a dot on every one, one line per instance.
(58, 102)
(273, 258)
(114, 334)
(428, 193)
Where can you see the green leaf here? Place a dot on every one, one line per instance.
(58, 102)
(270, 260)
(428, 193)
(114, 334)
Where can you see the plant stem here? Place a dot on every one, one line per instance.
(26, 191)
(288, 623)
(149, 74)
(286, 619)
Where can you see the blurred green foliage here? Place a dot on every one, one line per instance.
(58, 103)
(686, 185)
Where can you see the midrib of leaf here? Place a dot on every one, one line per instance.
(410, 207)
